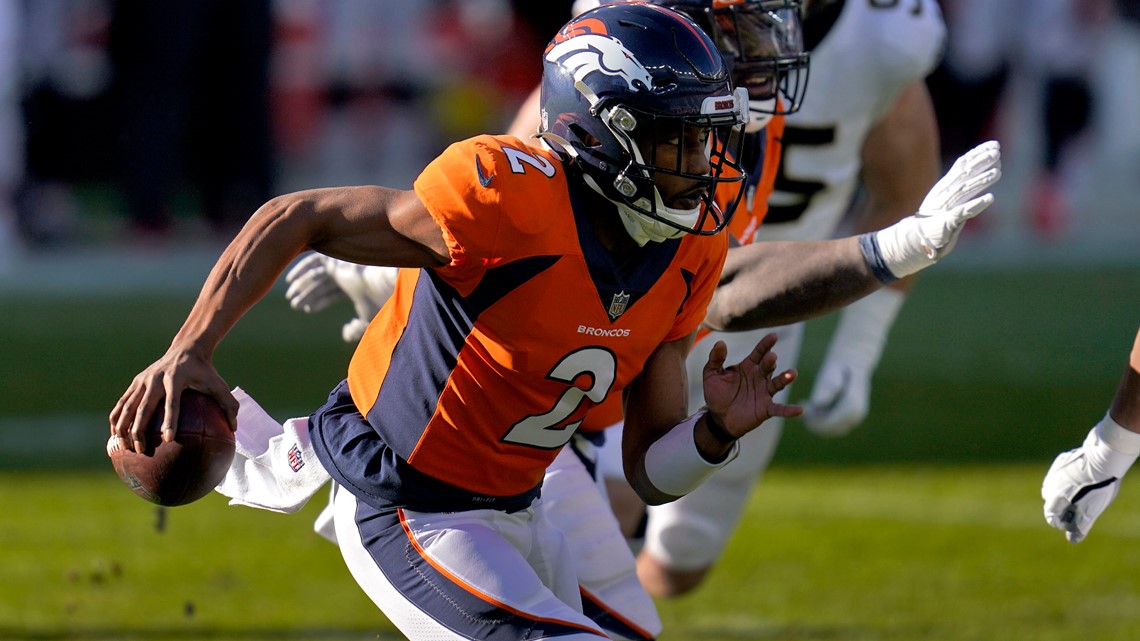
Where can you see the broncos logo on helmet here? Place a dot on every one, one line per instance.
(589, 53)
(628, 79)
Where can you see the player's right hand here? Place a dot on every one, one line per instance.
(920, 240)
(1082, 482)
(318, 281)
(163, 382)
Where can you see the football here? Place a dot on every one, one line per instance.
(185, 469)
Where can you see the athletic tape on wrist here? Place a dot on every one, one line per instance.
(673, 464)
(1110, 449)
(1118, 437)
(869, 245)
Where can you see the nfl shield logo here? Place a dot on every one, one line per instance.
(618, 304)
(295, 460)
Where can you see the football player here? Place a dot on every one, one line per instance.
(515, 325)
(869, 122)
(1082, 482)
(762, 42)
(867, 126)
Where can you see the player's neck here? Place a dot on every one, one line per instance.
(610, 232)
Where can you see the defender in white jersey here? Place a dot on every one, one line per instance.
(867, 121)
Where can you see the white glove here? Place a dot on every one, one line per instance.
(918, 241)
(1082, 482)
(841, 396)
(317, 281)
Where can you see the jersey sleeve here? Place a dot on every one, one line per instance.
(923, 44)
(480, 195)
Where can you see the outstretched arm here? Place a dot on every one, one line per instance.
(361, 224)
(768, 284)
(1082, 482)
(774, 283)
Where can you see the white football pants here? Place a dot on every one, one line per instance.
(487, 574)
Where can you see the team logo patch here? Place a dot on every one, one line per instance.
(296, 462)
(484, 179)
(618, 304)
(588, 53)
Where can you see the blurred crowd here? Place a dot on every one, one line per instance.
(135, 119)
(1070, 69)
(130, 121)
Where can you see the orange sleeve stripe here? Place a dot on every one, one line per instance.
(371, 361)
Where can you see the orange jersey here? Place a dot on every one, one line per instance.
(762, 153)
(761, 160)
(477, 372)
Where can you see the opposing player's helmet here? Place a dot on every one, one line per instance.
(764, 45)
(623, 79)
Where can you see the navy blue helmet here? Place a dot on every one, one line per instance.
(624, 78)
(763, 42)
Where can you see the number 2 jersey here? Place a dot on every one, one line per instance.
(475, 373)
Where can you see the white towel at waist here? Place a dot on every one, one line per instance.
(274, 467)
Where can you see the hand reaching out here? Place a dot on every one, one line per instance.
(740, 397)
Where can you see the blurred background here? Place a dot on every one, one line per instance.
(131, 123)
(136, 136)
(128, 124)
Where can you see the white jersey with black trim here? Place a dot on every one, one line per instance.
(874, 49)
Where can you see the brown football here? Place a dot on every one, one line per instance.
(187, 468)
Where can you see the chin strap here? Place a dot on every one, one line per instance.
(641, 228)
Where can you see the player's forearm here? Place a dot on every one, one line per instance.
(878, 213)
(246, 271)
(767, 284)
(1125, 408)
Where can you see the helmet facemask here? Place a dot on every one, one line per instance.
(657, 148)
(763, 44)
(627, 90)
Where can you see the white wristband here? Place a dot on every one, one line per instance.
(1112, 448)
(903, 249)
(1118, 437)
(863, 327)
(673, 464)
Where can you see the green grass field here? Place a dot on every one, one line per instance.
(925, 523)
